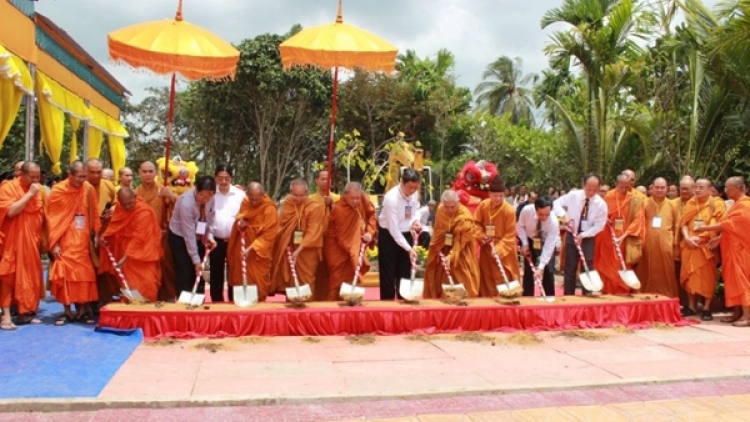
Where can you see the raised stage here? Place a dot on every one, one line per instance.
(389, 318)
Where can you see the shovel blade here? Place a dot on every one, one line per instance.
(411, 290)
(193, 299)
(454, 287)
(591, 281)
(300, 294)
(245, 296)
(629, 278)
(348, 290)
(512, 288)
(547, 299)
(133, 295)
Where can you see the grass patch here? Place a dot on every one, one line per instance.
(583, 335)
(362, 340)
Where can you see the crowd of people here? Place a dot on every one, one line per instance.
(97, 233)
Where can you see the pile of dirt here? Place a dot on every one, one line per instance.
(362, 340)
(474, 337)
(621, 329)
(663, 326)
(211, 346)
(254, 339)
(584, 335)
(166, 341)
(312, 340)
(522, 338)
(418, 337)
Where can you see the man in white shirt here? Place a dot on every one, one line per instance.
(398, 217)
(227, 203)
(538, 233)
(585, 213)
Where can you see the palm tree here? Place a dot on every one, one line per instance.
(427, 73)
(555, 82)
(504, 91)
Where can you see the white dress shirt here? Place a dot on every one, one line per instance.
(393, 216)
(227, 207)
(574, 201)
(526, 228)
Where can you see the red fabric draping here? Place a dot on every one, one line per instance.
(405, 319)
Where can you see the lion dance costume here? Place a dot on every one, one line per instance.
(472, 183)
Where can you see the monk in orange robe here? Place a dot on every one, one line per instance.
(21, 229)
(73, 220)
(734, 241)
(130, 237)
(496, 221)
(698, 274)
(327, 199)
(455, 234)
(160, 198)
(258, 221)
(625, 214)
(106, 193)
(631, 174)
(301, 228)
(656, 269)
(353, 222)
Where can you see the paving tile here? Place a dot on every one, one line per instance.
(732, 403)
(677, 368)
(682, 335)
(542, 415)
(593, 414)
(492, 417)
(629, 355)
(715, 350)
(444, 418)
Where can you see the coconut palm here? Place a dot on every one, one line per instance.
(505, 90)
(427, 73)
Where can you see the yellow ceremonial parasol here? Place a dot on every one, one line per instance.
(174, 46)
(337, 45)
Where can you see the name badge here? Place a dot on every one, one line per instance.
(697, 224)
(619, 224)
(80, 221)
(537, 243)
(449, 239)
(200, 228)
(489, 231)
(298, 235)
(407, 212)
(656, 222)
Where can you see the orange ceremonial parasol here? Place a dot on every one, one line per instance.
(174, 46)
(338, 45)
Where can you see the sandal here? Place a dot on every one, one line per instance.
(742, 323)
(63, 320)
(7, 326)
(28, 319)
(732, 318)
(686, 312)
(87, 319)
(707, 316)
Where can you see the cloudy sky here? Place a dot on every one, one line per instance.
(476, 31)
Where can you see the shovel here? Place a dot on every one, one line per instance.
(411, 288)
(192, 298)
(508, 288)
(132, 295)
(452, 289)
(626, 275)
(538, 282)
(245, 296)
(590, 280)
(297, 293)
(351, 291)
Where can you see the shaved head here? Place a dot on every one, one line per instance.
(630, 174)
(255, 187)
(623, 183)
(108, 174)
(77, 174)
(147, 171)
(126, 197)
(353, 186)
(735, 187)
(687, 188)
(703, 188)
(659, 188)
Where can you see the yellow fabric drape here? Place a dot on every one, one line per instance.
(117, 152)
(95, 142)
(15, 81)
(75, 124)
(51, 120)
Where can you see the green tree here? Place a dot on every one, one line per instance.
(505, 90)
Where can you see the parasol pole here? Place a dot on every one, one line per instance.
(333, 125)
(170, 114)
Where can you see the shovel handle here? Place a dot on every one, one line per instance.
(200, 273)
(618, 252)
(292, 267)
(580, 250)
(415, 242)
(537, 280)
(499, 264)
(447, 268)
(359, 264)
(116, 267)
(244, 259)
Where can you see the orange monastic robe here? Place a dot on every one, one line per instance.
(21, 266)
(150, 195)
(462, 254)
(735, 246)
(321, 274)
(308, 218)
(656, 269)
(260, 233)
(72, 276)
(132, 233)
(698, 272)
(503, 218)
(346, 227)
(630, 209)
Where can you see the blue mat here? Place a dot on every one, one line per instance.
(69, 361)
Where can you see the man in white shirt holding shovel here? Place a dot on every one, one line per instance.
(586, 216)
(538, 233)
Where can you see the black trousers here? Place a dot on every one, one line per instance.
(570, 266)
(548, 275)
(218, 258)
(184, 270)
(394, 263)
